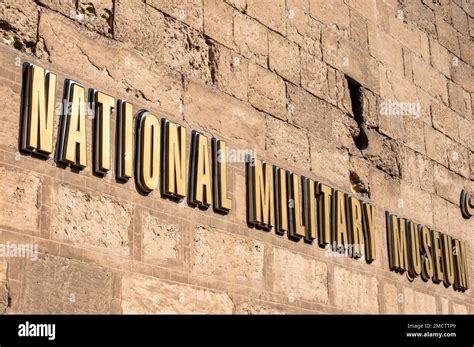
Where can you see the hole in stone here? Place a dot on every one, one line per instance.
(358, 185)
(361, 141)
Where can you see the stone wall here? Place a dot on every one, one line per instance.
(269, 75)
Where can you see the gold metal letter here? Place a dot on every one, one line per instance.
(219, 163)
(297, 226)
(355, 224)
(148, 151)
(427, 270)
(281, 200)
(124, 162)
(39, 93)
(73, 143)
(261, 211)
(339, 223)
(103, 106)
(324, 209)
(201, 171)
(438, 275)
(174, 182)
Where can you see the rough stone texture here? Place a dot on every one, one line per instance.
(218, 22)
(169, 41)
(355, 292)
(91, 220)
(144, 294)
(69, 49)
(251, 38)
(314, 75)
(19, 23)
(160, 239)
(21, 199)
(10, 104)
(58, 285)
(415, 302)
(231, 72)
(284, 57)
(3, 285)
(299, 277)
(231, 120)
(267, 91)
(219, 254)
(189, 11)
(287, 143)
(301, 82)
(255, 308)
(272, 13)
(390, 299)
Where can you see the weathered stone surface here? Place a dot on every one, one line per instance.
(218, 21)
(459, 100)
(58, 285)
(250, 38)
(430, 79)
(3, 285)
(219, 254)
(189, 11)
(238, 4)
(329, 162)
(359, 30)
(255, 308)
(91, 220)
(448, 185)
(417, 169)
(460, 308)
(447, 35)
(299, 277)
(271, 13)
(382, 152)
(267, 91)
(458, 158)
(231, 120)
(19, 24)
(355, 292)
(284, 57)
(20, 200)
(415, 302)
(302, 28)
(147, 295)
(287, 143)
(231, 72)
(333, 13)
(416, 204)
(314, 75)
(307, 111)
(441, 59)
(415, 13)
(436, 145)
(167, 40)
(215, 253)
(414, 138)
(445, 120)
(160, 239)
(347, 57)
(10, 117)
(390, 302)
(96, 15)
(70, 50)
(466, 129)
(440, 213)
